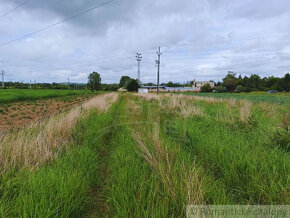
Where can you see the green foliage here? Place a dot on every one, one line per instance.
(206, 88)
(256, 83)
(94, 81)
(253, 83)
(221, 89)
(240, 88)
(132, 85)
(124, 80)
(286, 82)
(230, 81)
(282, 139)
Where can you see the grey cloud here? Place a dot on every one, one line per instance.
(106, 39)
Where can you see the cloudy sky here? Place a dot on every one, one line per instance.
(200, 39)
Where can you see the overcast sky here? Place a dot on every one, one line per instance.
(200, 39)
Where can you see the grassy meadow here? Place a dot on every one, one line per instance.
(130, 155)
(14, 95)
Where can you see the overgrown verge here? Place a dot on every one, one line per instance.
(151, 156)
(149, 176)
(61, 186)
(236, 154)
(45, 139)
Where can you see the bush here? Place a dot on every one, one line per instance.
(221, 89)
(240, 88)
(132, 85)
(206, 88)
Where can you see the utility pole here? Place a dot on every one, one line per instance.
(30, 84)
(159, 53)
(139, 58)
(68, 82)
(3, 85)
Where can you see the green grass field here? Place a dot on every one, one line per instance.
(283, 99)
(150, 156)
(14, 95)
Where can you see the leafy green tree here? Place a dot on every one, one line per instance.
(240, 88)
(123, 81)
(255, 83)
(94, 81)
(286, 82)
(132, 85)
(230, 81)
(221, 89)
(206, 88)
(170, 84)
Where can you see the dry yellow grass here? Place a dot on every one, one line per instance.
(150, 97)
(196, 98)
(183, 107)
(43, 140)
(179, 104)
(245, 111)
(183, 183)
(102, 102)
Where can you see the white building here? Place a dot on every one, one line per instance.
(143, 90)
(198, 84)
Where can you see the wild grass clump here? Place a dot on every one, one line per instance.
(245, 112)
(182, 182)
(209, 100)
(183, 107)
(150, 97)
(44, 140)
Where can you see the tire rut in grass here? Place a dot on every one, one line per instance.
(99, 207)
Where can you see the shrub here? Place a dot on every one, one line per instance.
(132, 85)
(240, 88)
(206, 88)
(221, 89)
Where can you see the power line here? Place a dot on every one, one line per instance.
(18, 6)
(57, 23)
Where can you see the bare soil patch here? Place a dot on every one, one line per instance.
(19, 114)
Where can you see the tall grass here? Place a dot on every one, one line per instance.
(150, 156)
(149, 175)
(245, 111)
(45, 139)
(242, 159)
(63, 186)
(181, 182)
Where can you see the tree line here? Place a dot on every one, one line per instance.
(231, 82)
(94, 82)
